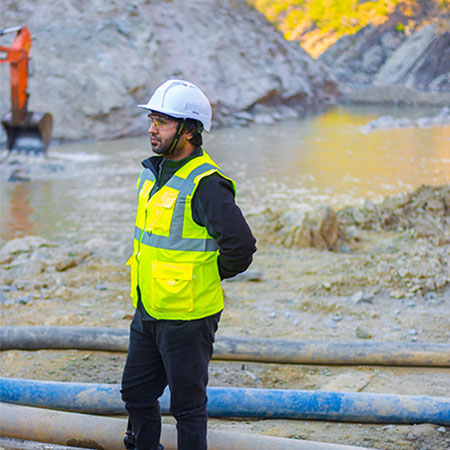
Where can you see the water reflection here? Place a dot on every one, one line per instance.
(18, 221)
(330, 157)
(299, 164)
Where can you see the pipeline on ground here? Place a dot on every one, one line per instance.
(238, 348)
(105, 399)
(88, 431)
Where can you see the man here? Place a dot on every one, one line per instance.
(189, 235)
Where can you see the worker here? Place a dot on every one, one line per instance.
(189, 235)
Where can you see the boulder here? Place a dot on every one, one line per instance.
(71, 257)
(22, 245)
(318, 229)
(27, 265)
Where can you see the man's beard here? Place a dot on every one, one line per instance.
(160, 148)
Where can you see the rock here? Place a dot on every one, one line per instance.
(295, 227)
(303, 235)
(328, 228)
(430, 285)
(397, 294)
(318, 229)
(361, 297)
(430, 296)
(331, 324)
(24, 300)
(19, 175)
(227, 47)
(363, 333)
(18, 301)
(72, 258)
(66, 264)
(98, 245)
(63, 292)
(356, 297)
(120, 314)
(353, 233)
(22, 245)
(27, 265)
(8, 288)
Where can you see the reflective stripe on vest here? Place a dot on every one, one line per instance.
(174, 262)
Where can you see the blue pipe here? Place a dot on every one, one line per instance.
(238, 402)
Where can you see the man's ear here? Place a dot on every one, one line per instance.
(188, 134)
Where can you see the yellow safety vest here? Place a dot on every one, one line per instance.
(174, 260)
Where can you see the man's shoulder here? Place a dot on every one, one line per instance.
(212, 183)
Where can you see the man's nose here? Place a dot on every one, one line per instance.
(152, 129)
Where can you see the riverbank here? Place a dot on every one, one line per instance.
(388, 279)
(397, 95)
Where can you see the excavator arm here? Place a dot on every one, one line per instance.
(26, 131)
(17, 57)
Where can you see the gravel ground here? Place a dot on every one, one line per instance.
(388, 285)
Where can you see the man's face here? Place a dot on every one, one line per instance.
(162, 130)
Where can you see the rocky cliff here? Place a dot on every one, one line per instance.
(395, 66)
(386, 56)
(93, 61)
(421, 62)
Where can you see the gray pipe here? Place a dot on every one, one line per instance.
(239, 349)
(86, 431)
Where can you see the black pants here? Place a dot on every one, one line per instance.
(174, 353)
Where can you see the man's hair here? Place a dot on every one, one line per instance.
(196, 128)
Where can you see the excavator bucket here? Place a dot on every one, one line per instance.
(31, 135)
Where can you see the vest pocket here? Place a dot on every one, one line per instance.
(172, 286)
(161, 208)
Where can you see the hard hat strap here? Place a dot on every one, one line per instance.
(176, 138)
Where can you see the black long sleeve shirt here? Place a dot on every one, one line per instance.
(214, 207)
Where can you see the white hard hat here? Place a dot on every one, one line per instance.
(183, 100)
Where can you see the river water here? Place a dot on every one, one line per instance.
(85, 190)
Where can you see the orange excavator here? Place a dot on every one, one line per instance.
(26, 131)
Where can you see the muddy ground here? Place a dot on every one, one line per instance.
(388, 279)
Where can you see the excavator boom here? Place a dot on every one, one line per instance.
(26, 131)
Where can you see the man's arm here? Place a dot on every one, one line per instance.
(213, 207)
